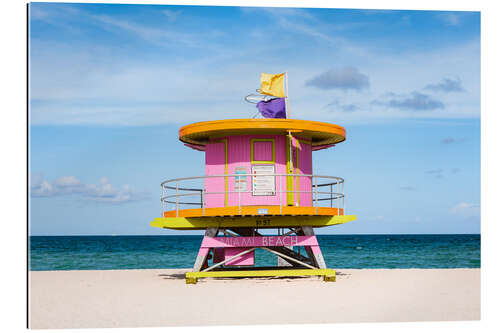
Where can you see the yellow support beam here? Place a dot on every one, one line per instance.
(200, 223)
(327, 273)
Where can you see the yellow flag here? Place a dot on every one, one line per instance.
(272, 84)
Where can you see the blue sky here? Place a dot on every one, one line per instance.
(110, 85)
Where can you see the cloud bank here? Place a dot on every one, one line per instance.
(408, 188)
(449, 140)
(466, 209)
(415, 102)
(446, 85)
(204, 70)
(103, 191)
(347, 78)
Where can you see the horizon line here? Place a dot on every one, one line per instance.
(317, 234)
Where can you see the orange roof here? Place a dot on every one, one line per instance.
(320, 133)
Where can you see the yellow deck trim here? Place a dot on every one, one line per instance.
(200, 223)
(327, 273)
(254, 210)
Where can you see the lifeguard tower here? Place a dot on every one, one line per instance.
(258, 175)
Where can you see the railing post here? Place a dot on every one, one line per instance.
(281, 194)
(162, 201)
(239, 194)
(337, 201)
(343, 202)
(316, 194)
(331, 195)
(340, 197)
(204, 194)
(177, 199)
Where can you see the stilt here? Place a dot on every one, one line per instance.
(201, 259)
(314, 251)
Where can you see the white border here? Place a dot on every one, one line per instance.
(14, 163)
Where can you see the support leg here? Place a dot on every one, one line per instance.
(203, 253)
(281, 261)
(314, 252)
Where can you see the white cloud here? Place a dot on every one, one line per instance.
(344, 78)
(279, 12)
(68, 17)
(415, 101)
(43, 189)
(465, 209)
(408, 188)
(104, 191)
(451, 19)
(437, 173)
(66, 181)
(450, 140)
(154, 35)
(446, 85)
(171, 14)
(36, 13)
(96, 85)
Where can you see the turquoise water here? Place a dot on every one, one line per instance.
(339, 251)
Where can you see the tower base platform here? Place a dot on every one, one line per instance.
(327, 273)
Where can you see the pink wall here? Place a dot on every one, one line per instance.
(214, 165)
(239, 154)
(263, 150)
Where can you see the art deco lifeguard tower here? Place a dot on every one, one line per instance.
(258, 175)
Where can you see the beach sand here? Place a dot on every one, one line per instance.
(160, 297)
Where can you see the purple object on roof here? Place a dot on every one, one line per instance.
(274, 108)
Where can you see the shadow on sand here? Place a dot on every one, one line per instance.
(173, 276)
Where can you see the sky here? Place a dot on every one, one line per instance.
(110, 85)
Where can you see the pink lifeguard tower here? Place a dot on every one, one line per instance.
(258, 175)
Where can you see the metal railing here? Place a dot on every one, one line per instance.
(175, 192)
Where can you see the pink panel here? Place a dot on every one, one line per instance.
(263, 151)
(239, 159)
(238, 242)
(215, 165)
(305, 167)
(245, 260)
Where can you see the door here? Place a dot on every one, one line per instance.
(216, 164)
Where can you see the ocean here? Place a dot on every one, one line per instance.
(339, 251)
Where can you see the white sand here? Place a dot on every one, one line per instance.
(134, 298)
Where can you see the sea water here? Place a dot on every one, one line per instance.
(339, 251)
